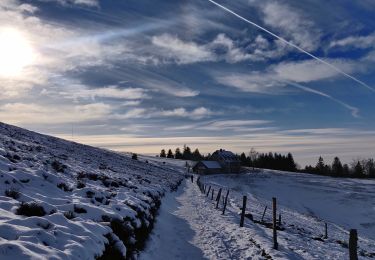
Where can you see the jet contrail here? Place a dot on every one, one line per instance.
(294, 46)
(354, 110)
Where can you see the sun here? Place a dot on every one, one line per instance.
(16, 52)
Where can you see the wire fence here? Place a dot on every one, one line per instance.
(264, 213)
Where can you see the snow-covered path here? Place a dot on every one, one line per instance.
(189, 227)
(172, 233)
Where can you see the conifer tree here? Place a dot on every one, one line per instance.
(178, 154)
(187, 155)
(320, 166)
(337, 168)
(196, 155)
(358, 170)
(170, 154)
(162, 153)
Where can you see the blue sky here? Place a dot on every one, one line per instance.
(141, 75)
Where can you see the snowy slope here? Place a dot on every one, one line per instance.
(63, 200)
(305, 202)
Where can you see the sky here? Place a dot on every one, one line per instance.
(142, 75)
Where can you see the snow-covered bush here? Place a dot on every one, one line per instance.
(12, 193)
(30, 209)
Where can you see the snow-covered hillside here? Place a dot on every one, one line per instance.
(305, 202)
(60, 199)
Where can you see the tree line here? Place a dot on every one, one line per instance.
(364, 168)
(269, 160)
(185, 154)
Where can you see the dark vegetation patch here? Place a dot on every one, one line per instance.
(25, 180)
(58, 166)
(79, 210)
(30, 209)
(12, 193)
(63, 186)
(13, 158)
(90, 194)
(81, 185)
(69, 214)
(111, 251)
(99, 199)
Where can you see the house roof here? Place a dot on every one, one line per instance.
(211, 164)
(226, 155)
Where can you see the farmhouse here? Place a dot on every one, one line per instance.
(207, 167)
(221, 161)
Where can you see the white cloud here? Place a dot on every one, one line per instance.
(232, 53)
(312, 70)
(291, 23)
(181, 52)
(132, 113)
(360, 42)
(254, 82)
(21, 113)
(221, 48)
(79, 91)
(195, 114)
(89, 3)
(170, 87)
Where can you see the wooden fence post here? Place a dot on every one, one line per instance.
(325, 230)
(275, 245)
(243, 210)
(204, 189)
(208, 192)
(353, 238)
(226, 201)
(218, 198)
(264, 212)
(212, 194)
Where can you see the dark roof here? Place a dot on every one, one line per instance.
(209, 164)
(226, 155)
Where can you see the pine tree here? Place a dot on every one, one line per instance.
(170, 154)
(187, 155)
(358, 170)
(320, 166)
(243, 159)
(337, 168)
(370, 165)
(162, 153)
(196, 155)
(178, 154)
(291, 163)
(345, 170)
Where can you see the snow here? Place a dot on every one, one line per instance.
(189, 226)
(113, 187)
(211, 164)
(306, 202)
(97, 186)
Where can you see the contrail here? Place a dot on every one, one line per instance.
(294, 46)
(354, 110)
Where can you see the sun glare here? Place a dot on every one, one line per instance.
(15, 52)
